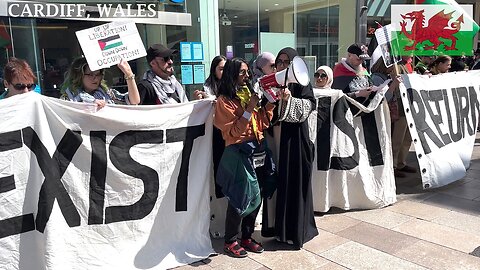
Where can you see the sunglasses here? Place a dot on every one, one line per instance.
(318, 75)
(21, 86)
(244, 72)
(93, 75)
(282, 62)
(167, 58)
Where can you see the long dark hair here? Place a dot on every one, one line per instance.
(212, 81)
(228, 83)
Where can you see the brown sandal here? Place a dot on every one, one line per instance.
(251, 245)
(235, 250)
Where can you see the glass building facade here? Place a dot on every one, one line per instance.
(320, 30)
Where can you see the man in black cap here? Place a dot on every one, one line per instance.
(159, 85)
(476, 63)
(350, 76)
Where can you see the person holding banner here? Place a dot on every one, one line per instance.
(84, 85)
(422, 65)
(19, 78)
(212, 83)
(440, 65)
(401, 139)
(458, 64)
(246, 164)
(476, 60)
(350, 76)
(210, 88)
(380, 74)
(323, 78)
(159, 85)
(294, 217)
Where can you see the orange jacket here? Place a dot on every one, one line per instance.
(236, 128)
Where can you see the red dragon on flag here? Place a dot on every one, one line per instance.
(433, 27)
(438, 27)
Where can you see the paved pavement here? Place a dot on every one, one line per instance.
(433, 229)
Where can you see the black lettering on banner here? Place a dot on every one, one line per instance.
(455, 136)
(53, 169)
(323, 133)
(9, 141)
(435, 96)
(17, 225)
(419, 117)
(120, 156)
(23, 223)
(339, 112)
(98, 173)
(474, 106)
(372, 142)
(7, 183)
(187, 135)
(464, 111)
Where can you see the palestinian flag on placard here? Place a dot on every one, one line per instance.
(110, 42)
(434, 27)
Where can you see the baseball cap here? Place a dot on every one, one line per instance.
(359, 50)
(158, 50)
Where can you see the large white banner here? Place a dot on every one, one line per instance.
(126, 187)
(353, 167)
(443, 119)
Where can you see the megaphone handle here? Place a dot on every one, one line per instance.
(286, 77)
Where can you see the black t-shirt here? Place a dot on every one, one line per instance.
(148, 96)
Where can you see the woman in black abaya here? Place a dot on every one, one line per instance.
(294, 217)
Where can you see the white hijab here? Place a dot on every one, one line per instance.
(329, 73)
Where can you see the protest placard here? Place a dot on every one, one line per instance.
(107, 44)
(385, 35)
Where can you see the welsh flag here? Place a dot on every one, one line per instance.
(434, 27)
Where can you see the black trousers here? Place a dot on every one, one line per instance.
(233, 226)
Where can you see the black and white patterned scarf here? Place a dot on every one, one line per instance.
(168, 91)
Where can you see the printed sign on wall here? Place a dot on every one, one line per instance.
(191, 51)
(187, 74)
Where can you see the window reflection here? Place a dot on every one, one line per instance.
(254, 26)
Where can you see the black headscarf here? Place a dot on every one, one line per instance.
(289, 51)
(297, 90)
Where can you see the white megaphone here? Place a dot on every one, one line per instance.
(296, 72)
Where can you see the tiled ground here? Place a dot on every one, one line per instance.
(434, 229)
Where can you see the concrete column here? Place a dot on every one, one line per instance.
(209, 28)
(346, 26)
